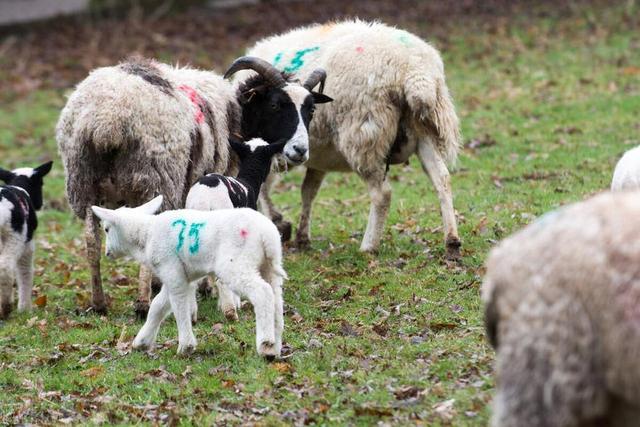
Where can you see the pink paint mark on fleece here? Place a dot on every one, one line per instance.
(243, 233)
(195, 100)
(359, 49)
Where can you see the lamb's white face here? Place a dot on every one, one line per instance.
(113, 247)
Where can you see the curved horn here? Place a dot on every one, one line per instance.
(260, 66)
(319, 75)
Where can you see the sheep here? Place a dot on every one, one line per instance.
(20, 198)
(240, 246)
(627, 172)
(142, 128)
(391, 101)
(562, 301)
(214, 191)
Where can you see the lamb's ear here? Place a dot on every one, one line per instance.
(320, 98)
(241, 149)
(43, 169)
(152, 206)
(6, 175)
(105, 214)
(276, 147)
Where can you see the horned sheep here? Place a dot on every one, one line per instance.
(391, 102)
(142, 128)
(562, 310)
(19, 201)
(240, 246)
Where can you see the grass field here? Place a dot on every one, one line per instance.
(548, 103)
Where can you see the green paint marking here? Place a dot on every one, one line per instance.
(404, 38)
(183, 224)
(277, 59)
(297, 62)
(194, 231)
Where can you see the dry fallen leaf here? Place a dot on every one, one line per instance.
(41, 301)
(92, 372)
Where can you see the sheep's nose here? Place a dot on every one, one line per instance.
(301, 151)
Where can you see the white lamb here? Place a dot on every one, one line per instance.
(627, 173)
(240, 246)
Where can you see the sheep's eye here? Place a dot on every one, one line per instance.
(106, 229)
(275, 106)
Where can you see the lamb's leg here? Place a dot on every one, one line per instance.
(269, 210)
(7, 278)
(193, 302)
(435, 166)
(228, 301)
(179, 297)
(261, 296)
(275, 280)
(141, 305)
(92, 235)
(310, 186)
(380, 192)
(158, 311)
(25, 277)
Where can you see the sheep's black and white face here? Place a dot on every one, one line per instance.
(276, 114)
(29, 179)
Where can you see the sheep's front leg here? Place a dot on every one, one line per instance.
(380, 192)
(25, 277)
(158, 311)
(180, 299)
(435, 166)
(310, 186)
(92, 235)
(141, 305)
(269, 210)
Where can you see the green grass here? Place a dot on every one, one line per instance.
(393, 337)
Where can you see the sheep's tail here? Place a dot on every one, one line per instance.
(430, 102)
(273, 252)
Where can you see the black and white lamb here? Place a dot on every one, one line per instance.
(19, 201)
(215, 191)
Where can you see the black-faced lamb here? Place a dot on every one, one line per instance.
(240, 246)
(562, 309)
(142, 128)
(20, 198)
(215, 191)
(391, 101)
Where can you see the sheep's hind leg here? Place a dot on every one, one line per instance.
(380, 192)
(310, 186)
(141, 305)
(228, 301)
(25, 277)
(435, 166)
(275, 280)
(92, 235)
(7, 278)
(269, 210)
(158, 311)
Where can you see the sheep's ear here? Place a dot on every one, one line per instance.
(152, 206)
(6, 175)
(320, 98)
(43, 169)
(241, 149)
(104, 214)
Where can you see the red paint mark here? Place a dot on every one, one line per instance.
(243, 233)
(359, 49)
(195, 100)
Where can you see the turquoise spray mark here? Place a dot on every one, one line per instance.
(297, 62)
(194, 231)
(183, 224)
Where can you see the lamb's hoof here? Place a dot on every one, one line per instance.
(453, 245)
(231, 314)
(284, 228)
(302, 243)
(186, 349)
(370, 249)
(268, 350)
(141, 308)
(141, 345)
(194, 319)
(204, 289)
